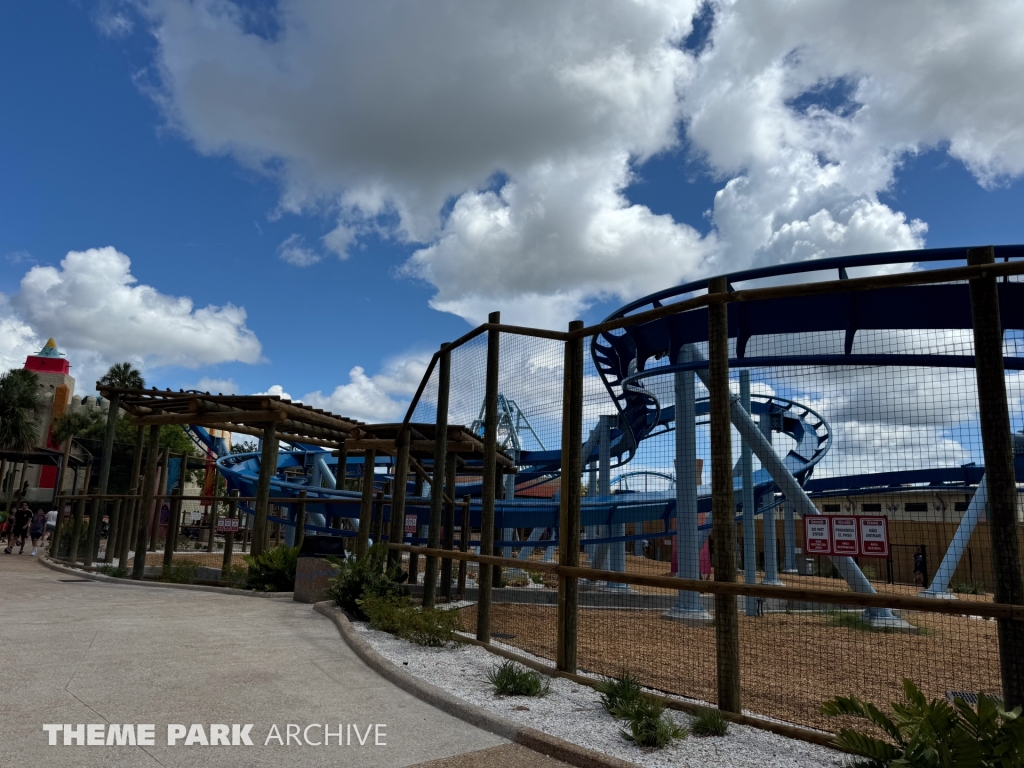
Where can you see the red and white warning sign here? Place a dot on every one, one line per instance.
(851, 535)
(817, 538)
(410, 525)
(874, 536)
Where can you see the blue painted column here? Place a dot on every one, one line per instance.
(747, 497)
(614, 554)
(789, 535)
(688, 607)
(771, 557)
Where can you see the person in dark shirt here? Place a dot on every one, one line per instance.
(18, 532)
(919, 567)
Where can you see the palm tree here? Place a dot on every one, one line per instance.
(123, 375)
(19, 402)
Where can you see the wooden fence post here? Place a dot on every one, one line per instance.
(131, 512)
(437, 486)
(999, 472)
(570, 499)
(463, 546)
(229, 537)
(485, 574)
(448, 527)
(93, 533)
(113, 406)
(214, 510)
(161, 489)
(113, 531)
(146, 503)
(57, 529)
(268, 468)
(723, 526)
(76, 531)
(366, 503)
(397, 532)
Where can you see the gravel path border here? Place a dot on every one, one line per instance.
(71, 571)
(566, 751)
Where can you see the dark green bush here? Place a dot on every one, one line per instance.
(511, 679)
(969, 588)
(431, 627)
(235, 575)
(369, 576)
(647, 725)
(617, 694)
(180, 572)
(273, 570)
(709, 722)
(932, 734)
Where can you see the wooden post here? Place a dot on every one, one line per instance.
(93, 532)
(723, 528)
(490, 463)
(105, 461)
(463, 547)
(414, 560)
(214, 509)
(397, 532)
(378, 516)
(448, 527)
(999, 473)
(499, 491)
(113, 531)
(146, 502)
(229, 537)
(268, 468)
(437, 484)
(570, 498)
(131, 516)
(57, 528)
(76, 531)
(366, 503)
(177, 511)
(161, 489)
(300, 521)
(342, 470)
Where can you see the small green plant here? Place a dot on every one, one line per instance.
(273, 570)
(511, 679)
(369, 576)
(537, 578)
(648, 726)
(235, 575)
(119, 573)
(180, 572)
(969, 588)
(430, 627)
(619, 693)
(709, 722)
(932, 734)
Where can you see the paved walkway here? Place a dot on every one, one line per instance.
(86, 652)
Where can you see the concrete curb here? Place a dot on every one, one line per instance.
(66, 569)
(478, 716)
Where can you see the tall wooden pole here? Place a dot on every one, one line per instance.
(106, 457)
(171, 540)
(570, 499)
(214, 509)
(113, 531)
(93, 532)
(448, 528)
(146, 503)
(996, 438)
(723, 527)
(131, 516)
(229, 537)
(268, 468)
(437, 484)
(366, 503)
(397, 532)
(76, 530)
(161, 489)
(485, 574)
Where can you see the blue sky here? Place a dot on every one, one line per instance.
(112, 133)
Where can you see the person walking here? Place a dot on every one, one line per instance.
(37, 529)
(18, 532)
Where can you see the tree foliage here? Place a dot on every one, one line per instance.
(19, 403)
(123, 375)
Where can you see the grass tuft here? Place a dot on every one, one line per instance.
(511, 679)
(709, 722)
(648, 726)
(617, 694)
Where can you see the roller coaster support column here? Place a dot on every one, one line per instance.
(957, 547)
(300, 522)
(727, 626)
(397, 530)
(688, 607)
(789, 537)
(1002, 489)
(615, 553)
(146, 503)
(268, 468)
(437, 482)
(569, 499)
(771, 557)
(880, 618)
(485, 574)
(749, 516)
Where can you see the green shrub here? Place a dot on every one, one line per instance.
(933, 734)
(366, 577)
(180, 572)
(709, 722)
(119, 573)
(647, 725)
(396, 615)
(618, 694)
(235, 575)
(969, 588)
(511, 679)
(273, 570)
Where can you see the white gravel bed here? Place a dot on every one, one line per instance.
(573, 712)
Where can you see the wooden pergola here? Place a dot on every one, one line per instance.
(275, 419)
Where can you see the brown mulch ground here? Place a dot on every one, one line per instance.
(791, 663)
